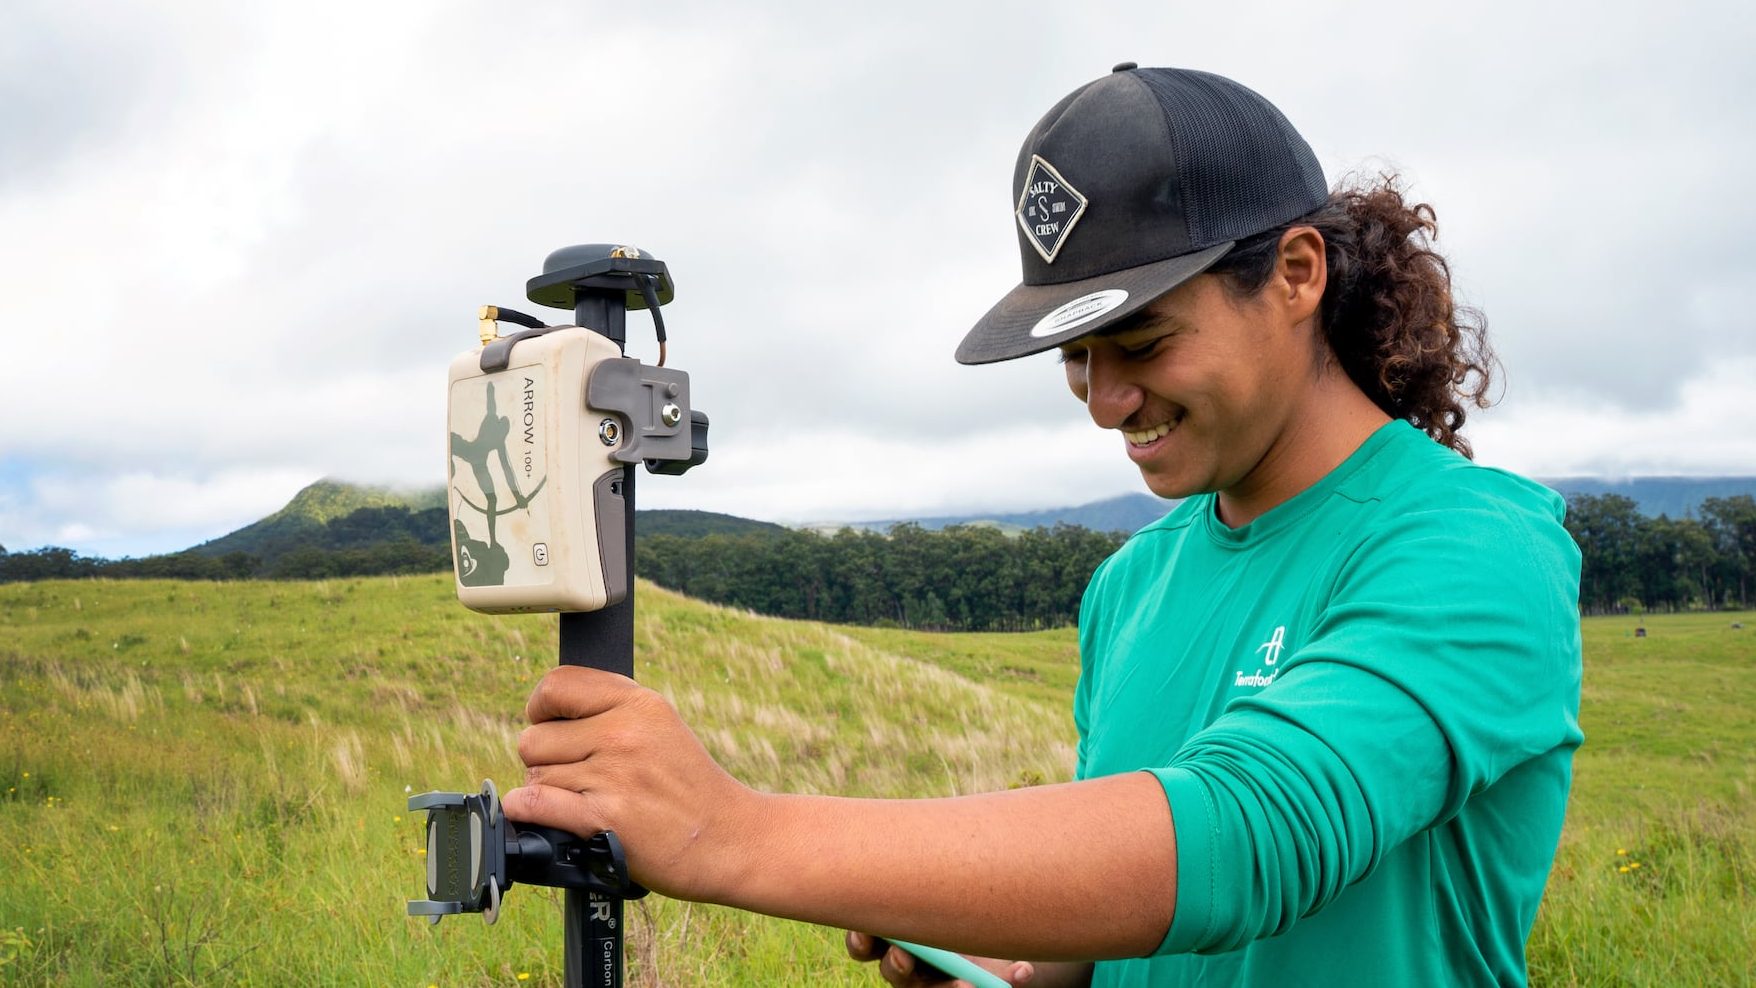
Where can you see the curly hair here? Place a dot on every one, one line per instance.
(1387, 314)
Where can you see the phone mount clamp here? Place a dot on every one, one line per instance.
(571, 551)
(474, 854)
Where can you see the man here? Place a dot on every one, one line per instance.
(1327, 706)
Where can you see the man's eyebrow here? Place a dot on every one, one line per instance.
(1145, 318)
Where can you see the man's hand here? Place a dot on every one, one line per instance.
(604, 753)
(901, 968)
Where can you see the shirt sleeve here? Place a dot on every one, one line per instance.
(1448, 654)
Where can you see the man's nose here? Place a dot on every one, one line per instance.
(1111, 394)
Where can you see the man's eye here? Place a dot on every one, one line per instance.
(1142, 351)
(1070, 357)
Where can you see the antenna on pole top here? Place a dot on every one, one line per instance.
(600, 283)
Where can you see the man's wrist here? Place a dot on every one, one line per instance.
(744, 848)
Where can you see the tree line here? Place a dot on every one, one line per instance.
(961, 578)
(1632, 562)
(310, 563)
(374, 541)
(964, 578)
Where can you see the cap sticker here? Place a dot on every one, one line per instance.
(1047, 208)
(1078, 312)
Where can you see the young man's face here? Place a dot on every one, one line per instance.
(1201, 390)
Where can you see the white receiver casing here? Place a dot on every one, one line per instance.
(528, 472)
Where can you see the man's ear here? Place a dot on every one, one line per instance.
(1301, 273)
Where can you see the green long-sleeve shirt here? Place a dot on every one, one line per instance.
(1363, 708)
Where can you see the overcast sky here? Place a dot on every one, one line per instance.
(241, 242)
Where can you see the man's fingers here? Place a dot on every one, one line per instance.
(558, 742)
(901, 968)
(572, 777)
(864, 946)
(548, 806)
(897, 965)
(573, 692)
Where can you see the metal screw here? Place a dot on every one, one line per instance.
(609, 432)
(671, 413)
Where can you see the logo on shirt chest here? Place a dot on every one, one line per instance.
(1267, 654)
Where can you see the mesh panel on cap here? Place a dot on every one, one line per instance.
(1242, 167)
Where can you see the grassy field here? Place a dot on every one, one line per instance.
(204, 783)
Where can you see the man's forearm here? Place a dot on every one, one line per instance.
(1069, 872)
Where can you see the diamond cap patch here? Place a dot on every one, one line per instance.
(1047, 208)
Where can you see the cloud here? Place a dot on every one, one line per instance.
(857, 476)
(139, 512)
(1707, 431)
(71, 77)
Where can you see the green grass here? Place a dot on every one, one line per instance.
(1667, 779)
(204, 783)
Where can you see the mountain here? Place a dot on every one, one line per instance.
(693, 524)
(333, 515)
(336, 515)
(1677, 497)
(1123, 513)
(327, 500)
(305, 518)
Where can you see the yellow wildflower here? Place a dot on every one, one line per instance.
(524, 975)
(1621, 852)
(1633, 864)
(1623, 869)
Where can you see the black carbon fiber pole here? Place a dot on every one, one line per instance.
(602, 639)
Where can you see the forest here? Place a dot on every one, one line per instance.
(960, 578)
(1632, 562)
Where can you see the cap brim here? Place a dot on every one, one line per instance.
(1028, 320)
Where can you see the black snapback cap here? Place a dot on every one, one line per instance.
(1132, 185)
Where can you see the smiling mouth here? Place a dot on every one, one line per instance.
(1147, 437)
